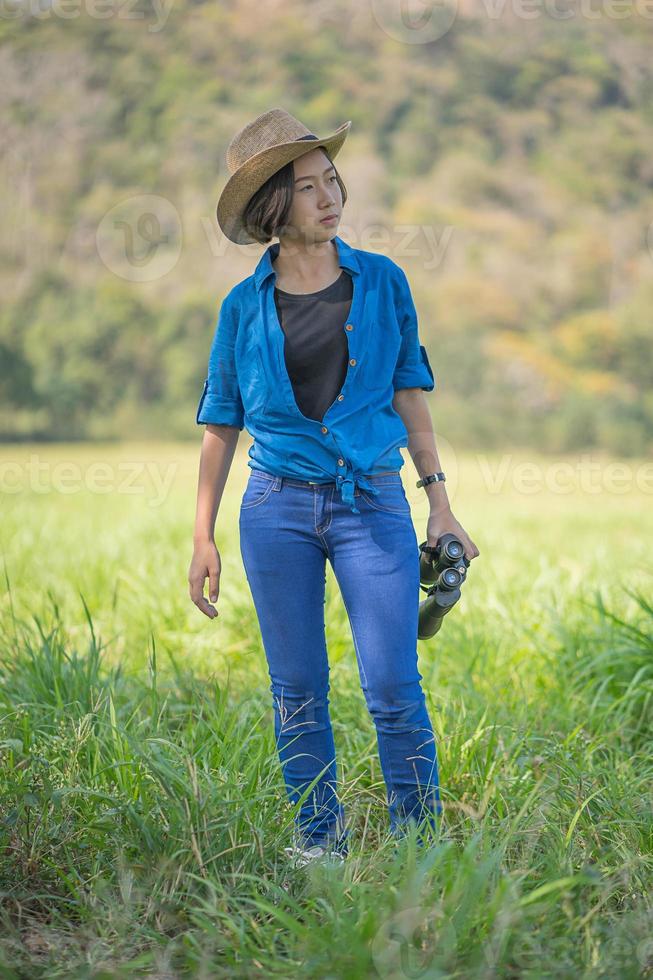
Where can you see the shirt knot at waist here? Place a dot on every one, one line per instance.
(346, 486)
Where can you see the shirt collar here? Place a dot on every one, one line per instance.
(347, 259)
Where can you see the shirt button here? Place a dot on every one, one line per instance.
(340, 397)
(352, 361)
(341, 462)
(324, 428)
(349, 327)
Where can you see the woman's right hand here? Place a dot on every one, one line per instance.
(205, 563)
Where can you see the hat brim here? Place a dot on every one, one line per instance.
(254, 172)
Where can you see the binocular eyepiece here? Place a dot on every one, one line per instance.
(442, 571)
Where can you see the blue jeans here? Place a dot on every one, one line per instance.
(288, 528)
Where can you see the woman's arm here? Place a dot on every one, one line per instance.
(217, 452)
(218, 447)
(410, 404)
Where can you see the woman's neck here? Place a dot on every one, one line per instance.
(306, 270)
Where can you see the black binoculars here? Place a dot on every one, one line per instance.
(442, 571)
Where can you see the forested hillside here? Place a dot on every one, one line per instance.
(507, 165)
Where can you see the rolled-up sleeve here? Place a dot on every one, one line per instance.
(220, 402)
(412, 369)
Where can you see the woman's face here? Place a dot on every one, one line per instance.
(316, 195)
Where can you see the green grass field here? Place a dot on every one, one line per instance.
(142, 810)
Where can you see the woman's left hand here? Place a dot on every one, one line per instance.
(444, 522)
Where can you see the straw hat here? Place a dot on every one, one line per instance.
(256, 152)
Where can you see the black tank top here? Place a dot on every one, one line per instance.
(315, 345)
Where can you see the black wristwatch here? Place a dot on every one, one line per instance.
(432, 478)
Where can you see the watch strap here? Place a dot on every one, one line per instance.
(431, 478)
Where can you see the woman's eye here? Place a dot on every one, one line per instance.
(307, 186)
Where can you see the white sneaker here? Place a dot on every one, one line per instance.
(301, 856)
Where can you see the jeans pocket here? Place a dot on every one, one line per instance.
(257, 491)
(391, 498)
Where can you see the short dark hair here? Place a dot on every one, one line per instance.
(266, 212)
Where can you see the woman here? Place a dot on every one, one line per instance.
(317, 353)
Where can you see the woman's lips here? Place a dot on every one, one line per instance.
(329, 220)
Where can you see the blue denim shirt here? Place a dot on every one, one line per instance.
(248, 384)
